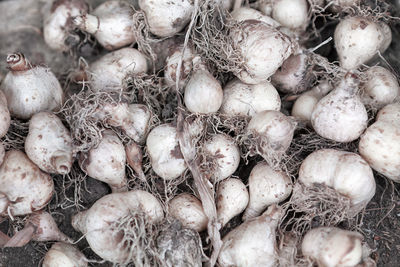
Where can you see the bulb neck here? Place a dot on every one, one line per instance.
(18, 62)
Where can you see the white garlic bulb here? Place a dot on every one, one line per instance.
(247, 100)
(24, 187)
(111, 24)
(49, 143)
(167, 17)
(165, 155)
(111, 70)
(5, 118)
(225, 153)
(106, 162)
(30, 89)
(189, 211)
(64, 255)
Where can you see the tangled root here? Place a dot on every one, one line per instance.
(16, 135)
(78, 113)
(314, 206)
(138, 239)
(211, 38)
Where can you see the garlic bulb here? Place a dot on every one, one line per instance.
(247, 13)
(306, 102)
(253, 243)
(292, 14)
(262, 48)
(232, 198)
(64, 255)
(346, 172)
(178, 246)
(167, 17)
(225, 154)
(2, 152)
(203, 93)
(380, 146)
(380, 88)
(57, 26)
(24, 187)
(133, 119)
(30, 89)
(189, 211)
(272, 132)
(111, 70)
(97, 222)
(40, 226)
(247, 100)
(106, 162)
(111, 24)
(358, 40)
(340, 116)
(49, 143)
(134, 157)
(171, 65)
(333, 247)
(5, 118)
(295, 75)
(266, 187)
(164, 152)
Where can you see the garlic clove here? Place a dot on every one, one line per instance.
(134, 157)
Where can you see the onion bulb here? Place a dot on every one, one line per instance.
(253, 243)
(98, 223)
(345, 172)
(380, 146)
(57, 26)
(5, 118)
(106, 162)
(341, 116)
(232, 199)
(358, 40)
(165, 154)
(242, 99)
(333, 247)
(266, 187)
(167, 17)
(380, 88)
(30, 89)
(24, 187)
(224, 153)
(111, 24)
(64, 255)
(111, 70)
(189, 211)
(49, 143)
(263, 49)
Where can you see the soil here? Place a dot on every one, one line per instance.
(380, 221)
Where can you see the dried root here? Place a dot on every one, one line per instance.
(138, 237)
(15, 137)
(315, 206)
(211, 38)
